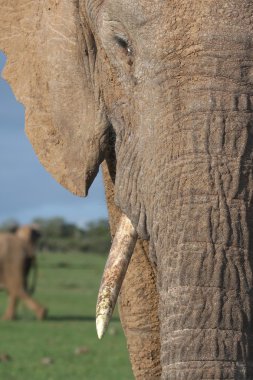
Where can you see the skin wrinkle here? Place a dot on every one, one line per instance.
(222, 196)
(184, 106)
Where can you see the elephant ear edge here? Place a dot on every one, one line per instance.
(50, 67)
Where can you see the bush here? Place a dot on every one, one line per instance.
(57, 235)
(60, 236)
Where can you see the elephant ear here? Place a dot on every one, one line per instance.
(51, 68)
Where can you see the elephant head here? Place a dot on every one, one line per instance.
(29, 233)
(165, 88)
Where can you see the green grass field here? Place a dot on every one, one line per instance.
(68, 286)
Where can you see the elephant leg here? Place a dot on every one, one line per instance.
(138, 301)
(33, 305)
(11, 308)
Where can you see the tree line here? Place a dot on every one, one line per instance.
(57, 235)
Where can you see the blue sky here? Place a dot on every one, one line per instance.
(26, 189)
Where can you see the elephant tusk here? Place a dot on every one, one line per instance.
(114, 273)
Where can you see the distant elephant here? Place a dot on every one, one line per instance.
(163, 92)
(17, 257)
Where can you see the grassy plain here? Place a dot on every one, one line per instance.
(67, 284)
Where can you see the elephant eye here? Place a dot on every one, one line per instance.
(124, 44)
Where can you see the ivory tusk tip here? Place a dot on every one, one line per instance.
(101, 325)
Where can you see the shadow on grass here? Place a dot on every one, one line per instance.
(75, 318)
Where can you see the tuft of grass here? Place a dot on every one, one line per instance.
(65, 346)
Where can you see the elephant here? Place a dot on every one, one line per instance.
(160, 93)
(17, 258)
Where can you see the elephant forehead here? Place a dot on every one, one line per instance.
(174, 11)
(165, 27)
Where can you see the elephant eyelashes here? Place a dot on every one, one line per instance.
(123, 44)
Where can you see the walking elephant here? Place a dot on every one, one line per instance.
(162, 92)
(17, 258)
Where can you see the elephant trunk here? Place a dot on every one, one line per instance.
(205, 304)
(191, 194)
(205, 264)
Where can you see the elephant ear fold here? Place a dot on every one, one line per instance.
(51, 68)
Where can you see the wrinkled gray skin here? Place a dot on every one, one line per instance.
(169, 86)
(182, 116)
(17, 257)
